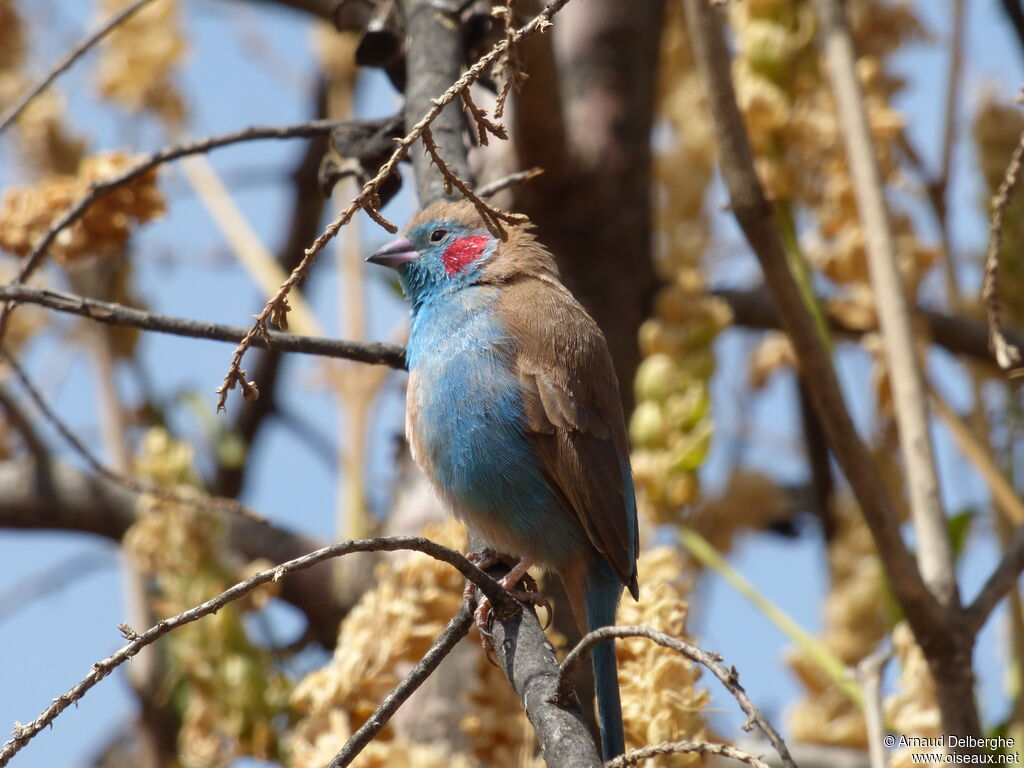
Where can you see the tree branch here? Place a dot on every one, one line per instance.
(499, 598)
(276, 309)
(755, 308)
(750, 308)
(145, 164)
(302, 223)
(1007, 354)
(999, 583)
(910, 400)
(528, 660)
(939, 632)
(374, 353)
(684, 747)
(59, 497)
(755, 218)
(434, 52)
(445, 643)
(67, 60)
(712, 661)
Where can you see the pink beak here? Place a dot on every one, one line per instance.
(394, 254)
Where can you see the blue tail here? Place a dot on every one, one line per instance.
(602, 597)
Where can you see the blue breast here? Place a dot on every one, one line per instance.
(470, 426)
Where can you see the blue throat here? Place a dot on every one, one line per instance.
(472, 427)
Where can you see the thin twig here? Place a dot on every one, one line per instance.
(455, 630)
(368, 200)
(755, 217)
(67, 60)
(22, 424)
(498, 596)
(110, 313)
(938, 190)
(519, 177)
(750, 308)
(999, 583)
(1007, 354)
(869, 677)
(712, 661)
(934, 551)
(684, 747)
(979, 453)
(103, 470)
(946, 644)
(145, 164)
(492, 216)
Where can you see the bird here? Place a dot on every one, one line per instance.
(513, 413)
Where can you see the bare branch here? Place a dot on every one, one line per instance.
(455, 630)
(491, 216)
(712, 661)
(1007, 354)
(145, 164)
(529, 662)
(494, 187)
(1002, 580)
(684, 747)
(1015, 13)
(104, 471)
(110, 313)
(276, 309)
(754, 308)
(934, 550)
(754, 215)
(939, 632)
(494, 591)
(60, 497)
(68, 60)
(22, 424)
(869, 677)
(750, 308)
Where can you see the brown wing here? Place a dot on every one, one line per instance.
(574, 413)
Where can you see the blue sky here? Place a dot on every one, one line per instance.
(183, 268)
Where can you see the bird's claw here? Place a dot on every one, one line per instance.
(531, 594)
(536, 599)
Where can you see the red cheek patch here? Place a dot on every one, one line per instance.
(463, 251)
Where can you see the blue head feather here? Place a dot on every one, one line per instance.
(433, 274)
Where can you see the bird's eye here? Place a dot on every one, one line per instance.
(438, 235)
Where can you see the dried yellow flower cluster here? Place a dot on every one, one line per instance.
(390, 628)
(660, 698)
(750, 502)
(798, 143)
(857, 617)
(28, 212)
(913, 710)
(997, 129)
(44, 143)
(138, 60)
(671, 427)
(228, 690)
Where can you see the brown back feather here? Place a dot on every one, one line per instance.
(571, 397)
(569, 388)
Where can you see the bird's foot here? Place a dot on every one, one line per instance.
(519, 573)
